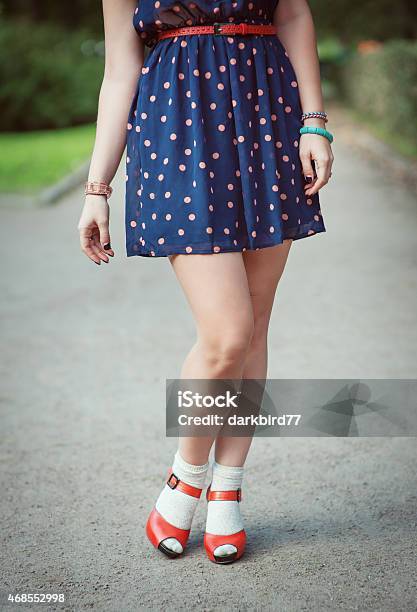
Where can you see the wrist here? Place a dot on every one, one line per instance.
(314, 122)
(91, 198)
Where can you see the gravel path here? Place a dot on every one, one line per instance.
(331, 522)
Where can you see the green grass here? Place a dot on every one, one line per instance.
(405, 146)
(33, 160)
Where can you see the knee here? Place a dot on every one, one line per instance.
(229, 346)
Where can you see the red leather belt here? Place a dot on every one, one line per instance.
(220, 29)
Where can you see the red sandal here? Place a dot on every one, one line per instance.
(158, 529)
(238, 540)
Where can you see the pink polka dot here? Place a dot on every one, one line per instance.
(191, 217)
(133, 224)
(209, 230)
(161, 240)
(189, 249)
(284, 216)
(216, 249)
(181, 232)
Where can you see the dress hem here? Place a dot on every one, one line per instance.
(226, 249)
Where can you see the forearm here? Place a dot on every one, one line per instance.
(116, 95)
(298, 36)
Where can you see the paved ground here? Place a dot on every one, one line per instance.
(332, 522)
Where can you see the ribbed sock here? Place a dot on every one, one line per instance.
(176, 507)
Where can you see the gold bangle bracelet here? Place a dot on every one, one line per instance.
(97, 188)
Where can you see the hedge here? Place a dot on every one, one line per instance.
(381, 83)
(49, 77)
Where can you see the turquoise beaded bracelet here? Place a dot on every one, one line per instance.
(317, 130)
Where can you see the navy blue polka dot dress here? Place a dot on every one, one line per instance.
(212, 163)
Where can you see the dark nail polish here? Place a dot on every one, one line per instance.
(96, 262)
(308, 179)
(107, 246)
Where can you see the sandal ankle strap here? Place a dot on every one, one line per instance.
(224, 495)
(175, 483)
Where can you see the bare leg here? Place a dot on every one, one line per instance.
(217, 290)
(264, 269)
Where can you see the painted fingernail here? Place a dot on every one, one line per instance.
(96, 262)
(308, 179)
(107, 246)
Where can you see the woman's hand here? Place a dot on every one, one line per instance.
(317, 148)
(94, 229)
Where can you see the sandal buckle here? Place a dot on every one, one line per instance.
(238, 495)
(172, 484)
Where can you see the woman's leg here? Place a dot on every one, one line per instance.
(264, 269)
(217, 291)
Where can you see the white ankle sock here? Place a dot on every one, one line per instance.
(223, 517)
(176, 507)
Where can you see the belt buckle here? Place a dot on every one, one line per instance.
(217, 28)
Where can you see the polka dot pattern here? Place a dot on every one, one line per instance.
(212, 137)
